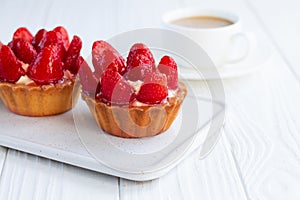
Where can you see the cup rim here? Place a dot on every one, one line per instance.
(172, 15)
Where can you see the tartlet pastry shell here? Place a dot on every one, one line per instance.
(135, 121)
(37, 101)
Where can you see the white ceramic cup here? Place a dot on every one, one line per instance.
(222, 44)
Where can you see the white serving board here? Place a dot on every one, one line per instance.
(56, 138)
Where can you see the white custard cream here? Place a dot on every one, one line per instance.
(136, 85)
(25, 80)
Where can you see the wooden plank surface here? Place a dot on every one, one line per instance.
(3, 153)
(215, 177)
(268, 148)
(281, 24)
(25, 176)
(258, 154)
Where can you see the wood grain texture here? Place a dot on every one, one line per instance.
(93, 20)
(258, 154)
(215, 177)
(25, 176)
(265, 140)
(281, 24)
(3, 153)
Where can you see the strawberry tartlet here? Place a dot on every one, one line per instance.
(38, 73)
(131, 99)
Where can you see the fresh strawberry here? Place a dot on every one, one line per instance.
(117, 65)
(139, 73)
(115, 88)
(10, 68)
(10, 44)
(1, 45)
(73, 54)
(38, 38)
(99, 95)
(103, 54)
(64, 35)
(62, 51)
(23, 50)
(152, 93)
(168, 67)
(154, 89)
(75, 68)
(87, 79)
(156, 77)
(140, 62)
(139, 54)
(47, 67)
(23, 33)
(44, 38)
(51, 37)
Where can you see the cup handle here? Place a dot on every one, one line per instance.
(249, 39)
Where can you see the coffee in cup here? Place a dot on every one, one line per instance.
(202, 22)
(217, 32)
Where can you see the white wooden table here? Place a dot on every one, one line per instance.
(258, 155)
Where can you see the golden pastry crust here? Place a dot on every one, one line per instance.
(134, 121)
(38, 101)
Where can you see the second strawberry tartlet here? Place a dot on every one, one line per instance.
(134, 98)
(38, 73)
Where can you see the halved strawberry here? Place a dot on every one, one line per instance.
(115, 88)
(168, 67)
(156, 77)
(140, 62)
(154, 89)
(117, 65)
(23, 50)
(23, 33)
(87, 78)
(10, 44)
(44, 39)
(51, 37)
(103, 54)
(64, 35)
(62, 51)
(37, 39)
(72, 55)
(10, 67)
(47, 67)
